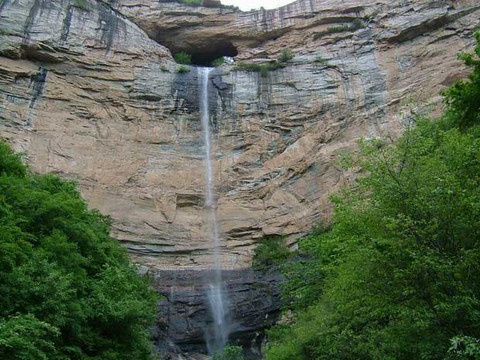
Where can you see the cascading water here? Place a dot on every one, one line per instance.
(217, 335)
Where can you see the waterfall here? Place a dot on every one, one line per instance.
(217, 335)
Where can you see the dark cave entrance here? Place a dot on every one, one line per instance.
(205, 56)
(203, 52)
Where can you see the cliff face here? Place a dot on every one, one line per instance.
(91, 92)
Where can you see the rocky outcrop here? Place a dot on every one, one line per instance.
(253, 297)
(198, 30)
(91, 93)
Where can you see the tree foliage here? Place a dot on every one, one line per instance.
(398, 274)
(463, 98)
(271, 251)
(183, 58)
(67, 289)
(231, 352)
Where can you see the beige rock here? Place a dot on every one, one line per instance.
(89, 96)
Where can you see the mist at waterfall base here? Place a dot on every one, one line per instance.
(216, 334)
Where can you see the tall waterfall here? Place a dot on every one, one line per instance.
(217, 335)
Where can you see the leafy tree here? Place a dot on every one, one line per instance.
(67, 289)
(398, 274)
(464, 348)
(463, 98)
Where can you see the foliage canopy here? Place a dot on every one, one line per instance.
(67, 289)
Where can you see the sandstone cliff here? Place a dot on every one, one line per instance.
(89, 91)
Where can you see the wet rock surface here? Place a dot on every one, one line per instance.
(253, 301)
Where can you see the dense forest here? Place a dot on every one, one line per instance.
(397, 274)
(67, 289)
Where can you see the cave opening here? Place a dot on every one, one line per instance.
(206, 56)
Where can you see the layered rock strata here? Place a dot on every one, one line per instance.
(89, 91)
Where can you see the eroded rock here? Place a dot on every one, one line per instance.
(91, 94)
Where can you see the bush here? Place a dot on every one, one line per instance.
(320, 60)
(218, 62)
(270, 251)
(353, 26)
(285, 56)
(81, 4)
(230, 353)
(263, 69)
(183, 70)
(192, 2)
(67, 288)
(183, 58)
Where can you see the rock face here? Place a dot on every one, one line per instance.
(254, 298)
(90, 92)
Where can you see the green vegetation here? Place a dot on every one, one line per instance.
(218, 62)
(353, 26)
(398, 274)
(183, 69)
(200, 3)
(81, 4)
(464, 347)
(191, 2)
(463, 99)
(271, 251)
(183, 58)
(67, 289)
(263, 69)
(285, 56)
(320, 60)
(230, 353)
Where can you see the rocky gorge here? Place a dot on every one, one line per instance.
(89, 90)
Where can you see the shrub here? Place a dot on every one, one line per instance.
(271, 251)
(320, 60)
(183, 69)
(230, 353)
(192, 2)
(263, 69)
(353, 26)
(285, 56)
(81, 4)
(183, 58)
(218, 62)
(357, 24)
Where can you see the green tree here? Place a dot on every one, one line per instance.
(463, 98)
(67, 289)
(398, 275)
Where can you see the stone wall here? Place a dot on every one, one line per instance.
(91, 93)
